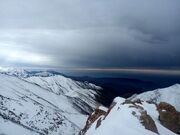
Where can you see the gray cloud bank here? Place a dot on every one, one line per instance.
(90, 33)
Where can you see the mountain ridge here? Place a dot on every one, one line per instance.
(143, 114)
(50, 113)
(171, 93)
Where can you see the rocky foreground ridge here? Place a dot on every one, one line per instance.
(127, 117)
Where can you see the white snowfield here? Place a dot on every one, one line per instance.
(44, 105)
(121, 121)
(170, 95)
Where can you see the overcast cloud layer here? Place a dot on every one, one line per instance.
(90, 33)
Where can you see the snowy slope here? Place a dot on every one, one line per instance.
(9, 128)
(38, 110)
(170, 95)
(60, 84)
(125, 119)
(83, 95)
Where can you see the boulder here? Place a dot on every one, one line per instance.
(169, 117)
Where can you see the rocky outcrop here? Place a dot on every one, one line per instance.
(134, 102)
(99, 115)
(148, 122)
(161, 95)
(123, 112)
(145, 119)
(91, 119)
(169, 117)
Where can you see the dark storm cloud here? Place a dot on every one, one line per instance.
(96, 33)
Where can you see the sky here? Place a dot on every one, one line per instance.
(90, 34)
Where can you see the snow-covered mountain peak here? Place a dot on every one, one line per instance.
(170, 94)
(119, 100)
(127, 118)
(19, 72)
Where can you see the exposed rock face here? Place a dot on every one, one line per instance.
(134, 102)
(148, 122)
(145, 119)
(91, 119)
(169, 117)
(99, 115)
